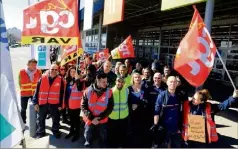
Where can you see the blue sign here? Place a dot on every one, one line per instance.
(41, 55)
(91, 50)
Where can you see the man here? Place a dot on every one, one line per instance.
(147, 78)
(138, 68)
(154, 90)
(155, 67)
(125, 75)
(116, 71)
(111, 77)
(167, 72)
(97, 105)
(128, 66)
(28, 79)
(64, 110)
(118, 119)
(157, 87)
(49, 96)
(168, 116)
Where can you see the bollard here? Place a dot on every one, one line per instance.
(32, 120)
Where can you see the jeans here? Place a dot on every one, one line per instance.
(43, 111)
(24, 103)
(90, 130)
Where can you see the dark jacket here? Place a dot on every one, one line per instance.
(88, 113)
(111, 77)
(172, 111)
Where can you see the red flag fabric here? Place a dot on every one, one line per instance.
(52, 22)
(195, 56)
(124, 50)
(102, 55)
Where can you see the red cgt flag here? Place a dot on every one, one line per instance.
(51, 22)
(124, 50)
(195, 56)
(102, 55)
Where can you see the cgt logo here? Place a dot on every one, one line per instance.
(52, 18)
(206, 58)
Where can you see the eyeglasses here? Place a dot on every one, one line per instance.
(157, 78)
(54, 69)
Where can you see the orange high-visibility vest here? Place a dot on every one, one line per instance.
(211, 126)
(96, 104)
(27, 86)
(49, 94)
(75, 98)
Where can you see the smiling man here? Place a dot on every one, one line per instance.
(49, 96)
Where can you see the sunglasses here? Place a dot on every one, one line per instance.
(62, 69)
(157, 78)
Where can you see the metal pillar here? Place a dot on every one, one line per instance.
(208, 21)
(100, 31)
(160, 39)
(209, 14)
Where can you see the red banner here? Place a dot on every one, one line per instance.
(102, 55)
(51, 22)
(124, 50)
(195, 55)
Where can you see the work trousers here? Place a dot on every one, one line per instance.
(43, 111)
(24, 103)
(74, 121)
(91, 131)
(117, 133)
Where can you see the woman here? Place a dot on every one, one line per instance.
(199, 106)
(62, 73)
(138, 107)
(73, 95)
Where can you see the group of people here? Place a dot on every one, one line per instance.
(121, 107)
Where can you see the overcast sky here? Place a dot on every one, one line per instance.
(13, 12)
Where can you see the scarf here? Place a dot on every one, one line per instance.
(31, 74)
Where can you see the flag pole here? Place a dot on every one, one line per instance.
(224, 66)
